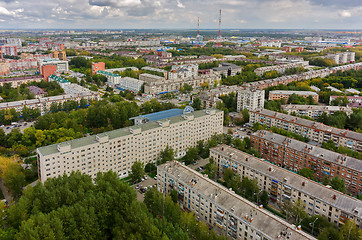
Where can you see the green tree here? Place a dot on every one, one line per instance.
(264, 198)
(191, 155)
(174, 195)
(137, 171)
(246, 115)
(211, 169)
(196, 104)
(306, 172)
(338, 184)
(167, 155)
(298, 212)
(350, 231)
(14, 178)
(330, 233)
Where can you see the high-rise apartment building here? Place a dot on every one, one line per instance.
(117, 150)
(225, 211)
(250, 99)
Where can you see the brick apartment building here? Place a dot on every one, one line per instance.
(315, 131)
(295, 155)
(283, 185)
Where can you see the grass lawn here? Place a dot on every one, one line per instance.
(127, 180)
(152, 174)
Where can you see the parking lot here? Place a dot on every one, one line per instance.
(21, 126)
(238, 131)
(144, 186)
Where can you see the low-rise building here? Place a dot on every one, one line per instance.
(351, 91)
(286, 186)
(159, 85)
(222, 209)
(132, 84)
(227, 69)
(314, 111)
(295, 155)
(18, 81)
(61, 81)
(315, 131)
(280, 68)
(279, 94)
(111, 77)
(210, 97)
(251, 99)
(351, 99)
(303, 76)
(117, 150)
(37, 91)
(183, 71)
(333, 89)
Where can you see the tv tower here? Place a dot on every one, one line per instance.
(199, 38)
(219, 35)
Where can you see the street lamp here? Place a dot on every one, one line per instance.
(312, 225)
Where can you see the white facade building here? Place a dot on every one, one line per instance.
(183, 71)
(250, 99)
(132, 84)
(228, 213)
(117, 150)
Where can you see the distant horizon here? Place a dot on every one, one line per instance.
(180, 28)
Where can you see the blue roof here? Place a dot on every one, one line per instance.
(164, 114)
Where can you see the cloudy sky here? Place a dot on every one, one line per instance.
(240, 14)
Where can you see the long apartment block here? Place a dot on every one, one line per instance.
(221, 208)
(314, 111)
(117, 150)
(315, 131)
(283, 185)
(295, 155)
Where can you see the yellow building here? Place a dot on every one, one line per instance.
(61, 55)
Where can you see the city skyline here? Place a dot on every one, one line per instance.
(181, 14)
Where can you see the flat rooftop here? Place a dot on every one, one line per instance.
(310, 124)
(161, 115)
(287, 92)
(263, 220)
(323, 193)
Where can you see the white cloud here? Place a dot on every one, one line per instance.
(180, 13)
(179, 4)
(345, 14)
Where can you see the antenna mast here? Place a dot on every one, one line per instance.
(220, 24)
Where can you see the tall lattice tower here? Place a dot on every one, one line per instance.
(199, 38)
(219, 35)
(219, 38)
